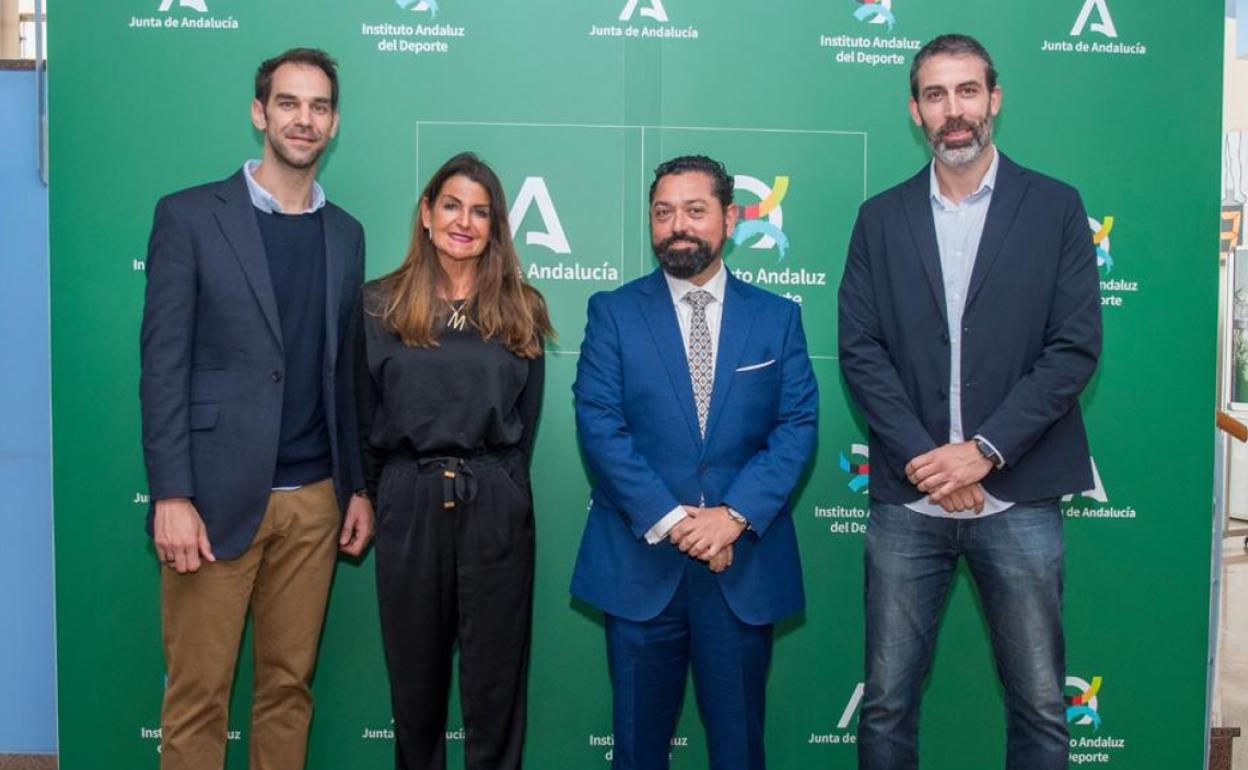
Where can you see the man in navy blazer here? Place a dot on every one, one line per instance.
(969, 324)
(696, 413)
(249, 430)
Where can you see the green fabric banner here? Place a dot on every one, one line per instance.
(574, 103)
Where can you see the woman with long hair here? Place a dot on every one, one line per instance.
(450, 385)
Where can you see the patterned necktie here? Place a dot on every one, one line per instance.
(701, 372)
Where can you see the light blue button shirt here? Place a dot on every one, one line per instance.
(264, 200)
(959, 227)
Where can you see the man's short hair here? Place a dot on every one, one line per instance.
(721, 181)
(312, 57)
(951, 45)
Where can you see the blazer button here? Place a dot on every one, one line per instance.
(942, 394)
(277, 376)
(703, 468)
(944, 338)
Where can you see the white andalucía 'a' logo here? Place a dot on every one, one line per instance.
(654, 9)
(194, 5)
(1106, 24)
(534, 191)
(851, 707)
(1097, 492)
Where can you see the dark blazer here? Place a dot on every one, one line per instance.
(1030, 340)
(638, 429)
(211, 384)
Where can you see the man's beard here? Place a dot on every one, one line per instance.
(981, 136)
(684, 263)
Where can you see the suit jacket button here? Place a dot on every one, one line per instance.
(277, 376)
(942, 394)
(703, 468)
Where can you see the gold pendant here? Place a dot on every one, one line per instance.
(458, 318)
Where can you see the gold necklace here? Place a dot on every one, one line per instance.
(458, 317)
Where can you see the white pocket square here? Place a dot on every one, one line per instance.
(752, 367)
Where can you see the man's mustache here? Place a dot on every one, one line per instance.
(958, 124)
(675, 238)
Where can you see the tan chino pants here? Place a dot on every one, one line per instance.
(284, 576)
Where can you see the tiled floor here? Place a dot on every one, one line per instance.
(1231, 696)
(27, 762)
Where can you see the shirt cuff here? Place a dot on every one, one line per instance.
(734, 513)
(1000, 461)
(659, 531)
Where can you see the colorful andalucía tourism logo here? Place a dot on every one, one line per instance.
(1100, 239)
(420, 6)
(403, 33)
(873, 44)
(859, 472)
(765, 218)
(1081, 701)
(876, 12)
(1115, 289)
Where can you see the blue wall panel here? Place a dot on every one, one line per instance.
(27, 675)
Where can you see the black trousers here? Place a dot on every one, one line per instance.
(455, 565)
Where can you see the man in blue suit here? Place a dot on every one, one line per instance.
(969, 324)
(249, 429)
(696, 413)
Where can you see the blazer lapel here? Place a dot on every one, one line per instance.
(734, 329)
(335, 264)
(237, 219)
(665, 329)
(1006, 197)
(918, 207)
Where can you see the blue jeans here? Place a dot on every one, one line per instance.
(1015, 558)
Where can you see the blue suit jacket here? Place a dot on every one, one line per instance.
(211, 383)
(1031, 334)
(638, 429)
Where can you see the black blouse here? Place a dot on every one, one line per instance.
(463, 397)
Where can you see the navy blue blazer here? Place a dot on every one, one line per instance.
(1031, 334)
(638, 430)
(211, 345)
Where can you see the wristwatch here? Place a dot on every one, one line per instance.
(988, 453)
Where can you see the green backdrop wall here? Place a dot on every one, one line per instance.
(574, 103)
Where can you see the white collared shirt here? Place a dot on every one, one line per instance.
(678, 288)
